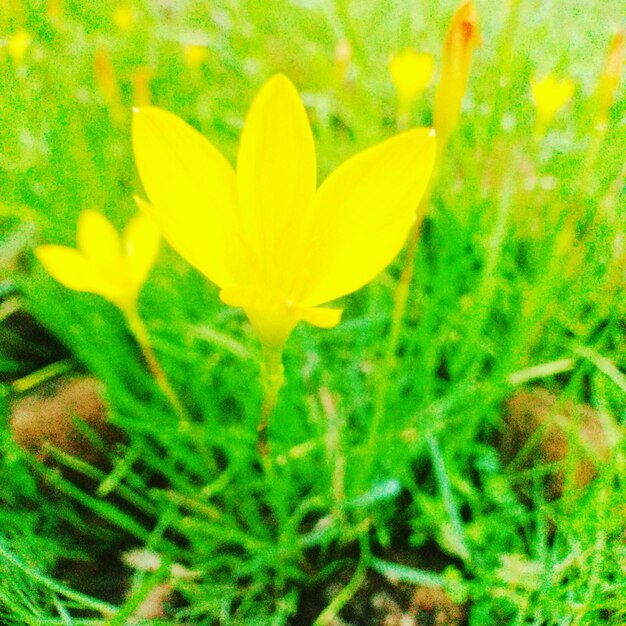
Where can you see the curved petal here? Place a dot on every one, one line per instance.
(141, 247)
(321, 317)
(362, 214)
(97, 239)
(69, 267)
(276, 174)
(192, 190)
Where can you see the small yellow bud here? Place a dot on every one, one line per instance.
(195, 55)
(18, 45)
(108, 86)
(141, 86)
(411, 72)
(610, 77)
(343, 59)
(124, 17)
(463, 36)
(550, 96)
(54, 9)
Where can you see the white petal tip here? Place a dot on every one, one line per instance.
(432, 132)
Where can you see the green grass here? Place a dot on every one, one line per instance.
(499, 288)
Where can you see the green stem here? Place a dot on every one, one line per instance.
(329, 615)
(400, 299)
(52, 585)
(272, 378)
(139, 331)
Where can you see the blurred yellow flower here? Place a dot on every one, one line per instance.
(195, 55)
(550, 96)
(274, 245)
(463, 36)
(18, 45)
(343, 60)
(610, 76)
(124, 16)
(411, 72)
(105, 264)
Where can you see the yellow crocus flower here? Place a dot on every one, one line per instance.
(462, 37)
(106, 264)
(18, 45)
(411, 72)
(550, 95)
(274, 245)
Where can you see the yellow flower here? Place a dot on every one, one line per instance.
(18, 45)
(463, 36)
(274, 245)
(195, 55)
(411, 72)
(550, 96)
(610, 77)
(106, 264)
(124, 16)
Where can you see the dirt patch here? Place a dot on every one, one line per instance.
(49, 417)
(574, 438)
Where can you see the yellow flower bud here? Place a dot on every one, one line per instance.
(550, 96)
(610, 77)
(463, 36)
(124, 16)
(411, 73)
(108, 86)
(141, 86)
(343, 59)
(195, 55)
(18, 46)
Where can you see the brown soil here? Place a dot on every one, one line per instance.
(48, 417)
(573, 437)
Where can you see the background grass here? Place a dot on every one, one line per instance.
(521, 264)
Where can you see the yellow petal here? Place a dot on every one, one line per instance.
(276, 175)
(69, 267)
(98, 240)
(192, 190)
(321, 316)
(362, 213)
(141, 247)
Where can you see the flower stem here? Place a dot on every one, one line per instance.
(139, 331)
(400, 299)
(272, 378)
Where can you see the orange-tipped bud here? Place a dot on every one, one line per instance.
(610, 77)
(107, 83)
(463, 36)
(343, 60)
(141, 86)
